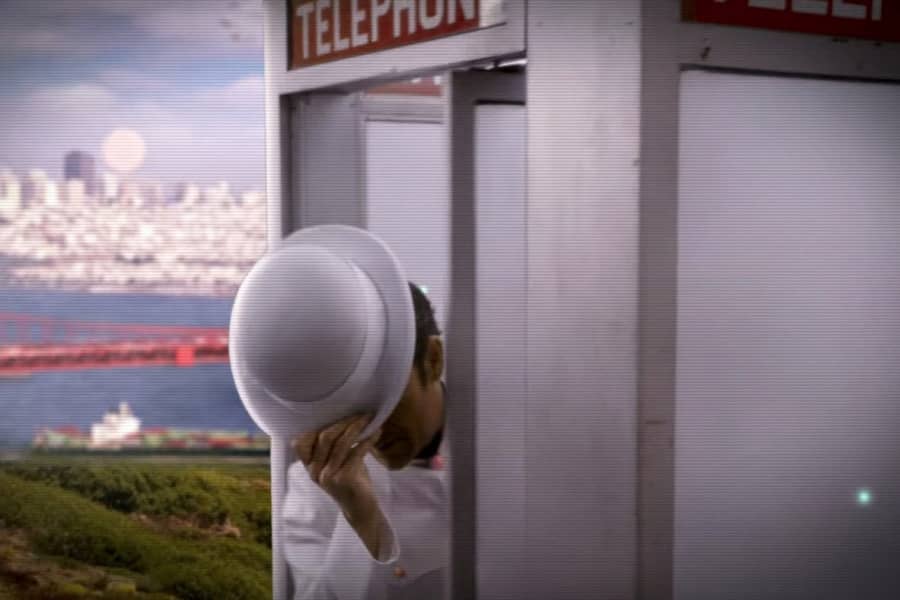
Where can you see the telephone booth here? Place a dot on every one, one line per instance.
(663, 240)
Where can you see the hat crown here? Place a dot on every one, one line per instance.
(307, 318)
(322, 327)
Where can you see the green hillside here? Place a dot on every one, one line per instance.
(128, 529)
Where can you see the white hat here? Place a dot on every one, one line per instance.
(322, 327)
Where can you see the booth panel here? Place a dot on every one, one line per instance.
(407, 201)
(486, 332)
(500, 138)
(584, 163)
(787, 412)
(325, 163)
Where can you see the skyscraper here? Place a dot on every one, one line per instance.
(10, 195)
(80, 165)
(38, 190)
(109, 186)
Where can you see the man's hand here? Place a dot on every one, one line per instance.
(334, 462)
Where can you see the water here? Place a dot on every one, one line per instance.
(203, 396)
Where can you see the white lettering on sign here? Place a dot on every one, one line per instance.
(340, 27)
(359, 16)
(848, 11)
(379, 9)
(303, 11)
(811, 7)
(468, 7)
(339, 42)
(774, 4)
(322, 47)
(430, 21)
(839, 8)
(410, 7)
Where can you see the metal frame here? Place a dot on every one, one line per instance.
(746, 49)
(715, 47)
(583, 99)
(475, 360)
(425, 109)
(602, 193)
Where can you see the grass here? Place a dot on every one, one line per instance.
(235, 496)
(191, 532)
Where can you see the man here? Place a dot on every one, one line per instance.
(369, 520)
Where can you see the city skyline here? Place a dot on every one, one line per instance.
(187, 77)
(60, 239)
(105, 177)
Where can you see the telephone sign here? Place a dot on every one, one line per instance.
(870, 19)
(327, 30)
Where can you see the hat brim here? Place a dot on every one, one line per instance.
(372, 256)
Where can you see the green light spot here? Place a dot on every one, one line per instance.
(863, 497)
(424, 289)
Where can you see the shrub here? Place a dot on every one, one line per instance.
(202, 495)
(61, 522)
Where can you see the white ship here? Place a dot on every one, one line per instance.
(115, 428)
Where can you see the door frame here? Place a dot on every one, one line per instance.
(471, 355)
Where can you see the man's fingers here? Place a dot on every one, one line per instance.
(344, 444)
(359, 452)
(326, 440)
(304, 446)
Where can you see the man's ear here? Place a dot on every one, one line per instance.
(434, 359)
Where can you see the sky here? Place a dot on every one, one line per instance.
(187, 75)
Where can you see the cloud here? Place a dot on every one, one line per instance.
(247, 92)
(31, 39)
(214, 134)
(70, 99)
(131, 80)
(72, 29)
(207, 21)
(173, 70)
(86, 28)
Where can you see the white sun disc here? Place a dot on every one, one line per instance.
(123, 150)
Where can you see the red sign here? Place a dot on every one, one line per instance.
(870, 19)
(326, 30)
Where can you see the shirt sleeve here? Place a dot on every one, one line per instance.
(389, 542)
(309, 522)
(389, 549)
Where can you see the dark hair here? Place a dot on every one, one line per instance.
(426, 326)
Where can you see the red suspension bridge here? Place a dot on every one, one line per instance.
(30, 343)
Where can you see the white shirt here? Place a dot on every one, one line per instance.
(328, 560)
